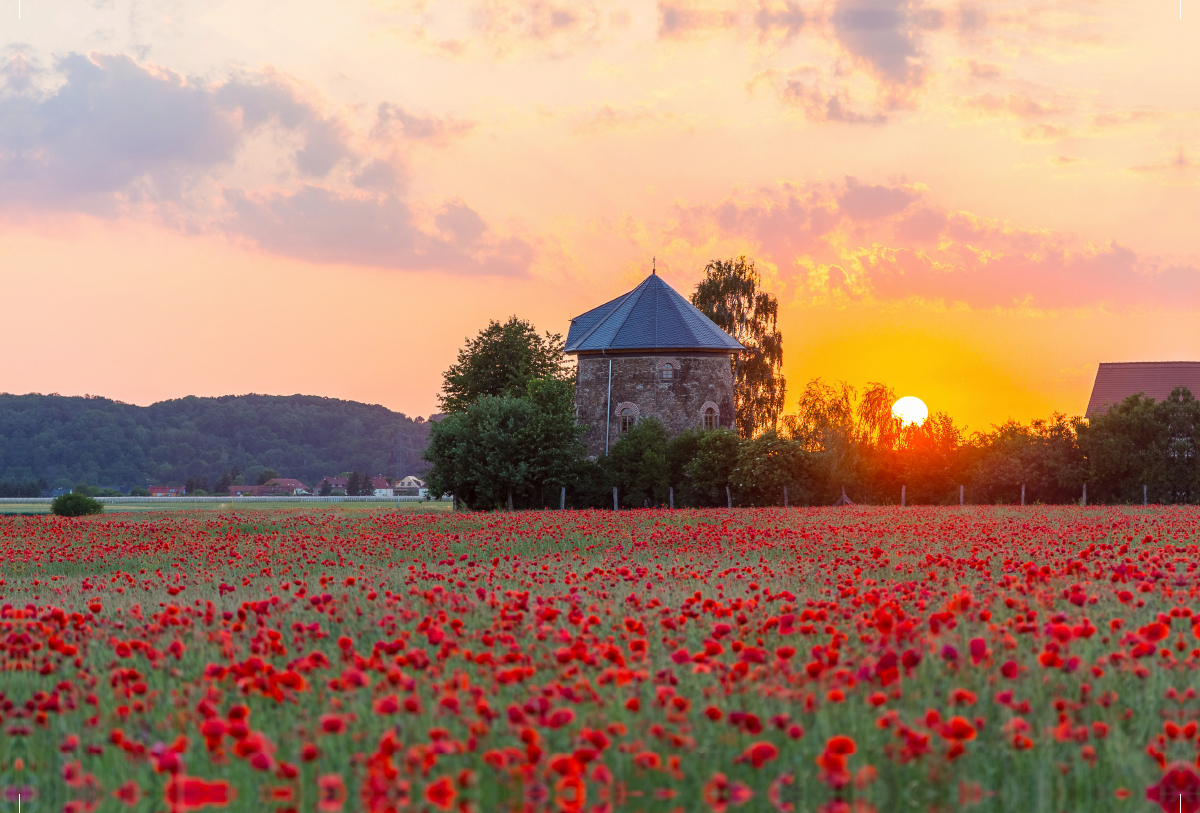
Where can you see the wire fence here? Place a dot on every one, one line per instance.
(226, 499)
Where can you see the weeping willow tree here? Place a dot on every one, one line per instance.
(845, 431)
(729, 295)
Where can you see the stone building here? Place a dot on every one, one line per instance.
(650, 352)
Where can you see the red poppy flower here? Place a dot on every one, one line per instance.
(331, 793)
(1178, 789)
(441, 794)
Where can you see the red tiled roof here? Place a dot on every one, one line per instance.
(1115, 381)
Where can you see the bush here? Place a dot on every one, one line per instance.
(75, 505)
(138, 491)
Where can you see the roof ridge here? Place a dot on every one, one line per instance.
(683, 315)
(638, 290)
(605, 318)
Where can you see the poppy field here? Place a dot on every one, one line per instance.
(833, 660)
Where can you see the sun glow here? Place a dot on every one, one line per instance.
(910, 410)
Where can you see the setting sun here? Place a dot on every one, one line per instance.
(910, 409)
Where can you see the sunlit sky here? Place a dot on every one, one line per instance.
(973, 202)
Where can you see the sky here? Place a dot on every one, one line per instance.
(973, 202)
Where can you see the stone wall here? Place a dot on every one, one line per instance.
(700, 380)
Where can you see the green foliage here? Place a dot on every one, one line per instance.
(501, 361)
(95, 491)
(1044, 456)
(1142, 443)
(265, 476)
(729, 295)
(637, 465)
(765, 466)
(325, 489)
(359, 485)
(104, 441)
(503, 451)
(31, 488)
(75, 505)
(138, 491)
(706, 475)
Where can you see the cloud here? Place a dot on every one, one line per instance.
(882, 34)
(106, 135)
(1012, 105)
(861, 202)
(802, 89)
(320, 225)
(885, 243)
(505, 28)
(394, 120)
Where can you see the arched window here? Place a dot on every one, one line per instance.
(668, 372)
(628, 418)
(710, 418)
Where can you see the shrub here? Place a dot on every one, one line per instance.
(75, 505)
(138, 491)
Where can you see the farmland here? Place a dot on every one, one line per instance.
(860, 659)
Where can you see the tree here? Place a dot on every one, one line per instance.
(501, 361)
(729, 295)
(75, 505)
(266, 476)
(637, 464)
(326, 488)
(768, 464)
(501, 451)
(706, 476)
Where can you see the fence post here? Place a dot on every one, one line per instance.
(785, 505)
(615, 508)
(671, 496)
(960, 495)
(1022, 493)
(1144, 496)
(562, 499)
(902, 489)
(1085, 495)
(728, 498)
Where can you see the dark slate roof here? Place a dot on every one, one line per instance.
(650, 317)
(1115, 381)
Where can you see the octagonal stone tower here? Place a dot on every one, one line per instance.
(649, 352)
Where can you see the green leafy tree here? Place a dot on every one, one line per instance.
(266, 476)
(729, 295)
(707, 474)
(1043, 456)
(1127, 448)
(75, 505)
(768, 464)
(501, 361)
(503, 451)
(138, 491)
(637, 464)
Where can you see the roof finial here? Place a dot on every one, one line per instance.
(654, 266)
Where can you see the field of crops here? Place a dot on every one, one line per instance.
(836, 660)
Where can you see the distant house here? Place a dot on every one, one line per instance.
(167, 491)
(337, 485)
(284, 487)
(1116, 381)
(409, 487)
(382, 487)
(275, 487)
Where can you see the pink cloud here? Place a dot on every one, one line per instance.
(887, 243)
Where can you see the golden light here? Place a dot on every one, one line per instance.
(910, 410)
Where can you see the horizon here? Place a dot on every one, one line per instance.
(975, 204)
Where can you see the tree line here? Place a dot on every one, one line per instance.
(510, 440)
(66, 440)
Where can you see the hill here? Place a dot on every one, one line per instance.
(66, 440)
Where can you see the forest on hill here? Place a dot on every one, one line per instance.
(65, 440)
